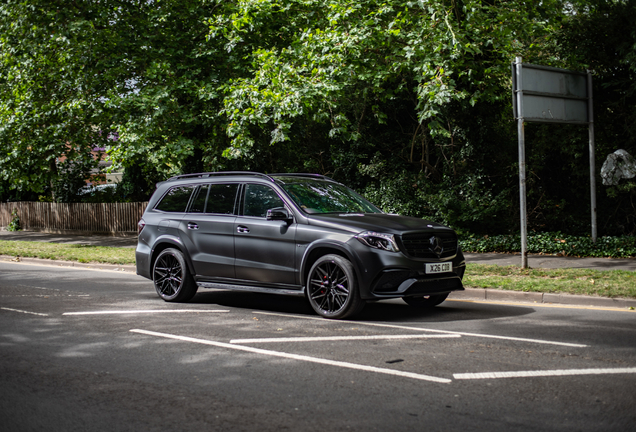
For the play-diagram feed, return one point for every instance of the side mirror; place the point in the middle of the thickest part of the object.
(279, 214)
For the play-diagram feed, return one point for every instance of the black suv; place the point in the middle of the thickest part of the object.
(293, 234)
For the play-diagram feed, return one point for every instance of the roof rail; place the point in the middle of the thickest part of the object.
(320, 176)
(221, 173)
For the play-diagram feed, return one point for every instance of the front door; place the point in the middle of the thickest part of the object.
(264, 250)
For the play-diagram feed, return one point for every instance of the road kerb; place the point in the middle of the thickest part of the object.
(580, 300)
(61, 263)
(501, 295)
(481, 294)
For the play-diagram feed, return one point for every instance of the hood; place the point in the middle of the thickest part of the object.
(378, 222)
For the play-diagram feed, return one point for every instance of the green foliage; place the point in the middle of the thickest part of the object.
(14, 225)
(601, 36)
(72, 175)
(139, 180)
(168, 112)
(50, 98)
(555, 243)
(407, 101)
(409, 98)
(341, 63)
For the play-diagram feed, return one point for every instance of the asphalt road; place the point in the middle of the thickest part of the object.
(98, 350)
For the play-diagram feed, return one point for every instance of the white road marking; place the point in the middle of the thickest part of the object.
(297, 357)
(340, 338)
(546, 373)
(24, 312)
(419, 329)
(148, 311)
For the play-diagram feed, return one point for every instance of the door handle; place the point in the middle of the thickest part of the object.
(192, 226)
(242, 229)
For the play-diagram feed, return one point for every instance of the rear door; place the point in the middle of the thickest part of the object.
(209, 230)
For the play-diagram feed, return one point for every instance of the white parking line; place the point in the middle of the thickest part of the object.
(148, 311)
(340, 338)
(297, 357)
(419, 329)
(547, 373)
(24, 312)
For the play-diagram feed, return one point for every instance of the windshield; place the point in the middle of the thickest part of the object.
(315, 196)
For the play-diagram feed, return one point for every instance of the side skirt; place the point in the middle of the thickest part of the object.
(233, 287)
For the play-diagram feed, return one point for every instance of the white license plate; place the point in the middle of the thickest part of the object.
(438, 268)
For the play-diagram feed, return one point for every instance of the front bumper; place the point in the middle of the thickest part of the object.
(400, 283)
(384, 274)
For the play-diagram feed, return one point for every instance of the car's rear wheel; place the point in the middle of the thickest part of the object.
(172, 280)
(332, 289)
(425, 301)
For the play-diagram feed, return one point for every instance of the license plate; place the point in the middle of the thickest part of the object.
(438, 268)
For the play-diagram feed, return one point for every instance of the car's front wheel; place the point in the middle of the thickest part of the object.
(172, 280)
(425, 301)
(332, 289)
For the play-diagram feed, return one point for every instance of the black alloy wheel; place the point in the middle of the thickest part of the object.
(425, 301)
(172, 280)
(332, 289)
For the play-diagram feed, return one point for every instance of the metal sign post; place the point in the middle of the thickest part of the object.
(590, 120)
(550, 95)
(522, 162)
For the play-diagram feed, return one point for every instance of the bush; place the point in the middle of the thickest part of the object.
(555, 243)
(14, 225)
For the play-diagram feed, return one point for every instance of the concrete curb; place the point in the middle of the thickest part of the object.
(537, 297)
(60, 263)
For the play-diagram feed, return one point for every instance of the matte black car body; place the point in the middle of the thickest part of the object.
(280, 251)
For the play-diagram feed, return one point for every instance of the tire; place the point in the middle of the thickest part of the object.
(172, 280)
(425, 301)
(332, 289)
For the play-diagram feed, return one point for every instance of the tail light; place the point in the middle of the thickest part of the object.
(140, 225)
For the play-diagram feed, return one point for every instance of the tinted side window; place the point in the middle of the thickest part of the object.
(221, 198)
(176, 199)
(259, 199)
(198, 203)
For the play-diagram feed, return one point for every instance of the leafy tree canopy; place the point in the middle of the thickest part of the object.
(408, 101)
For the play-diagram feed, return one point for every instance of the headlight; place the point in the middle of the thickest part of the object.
(379, 241)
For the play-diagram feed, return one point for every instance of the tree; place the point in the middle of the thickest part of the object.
(50, 91)
(391, 90)
(407, 101)
(599, 35)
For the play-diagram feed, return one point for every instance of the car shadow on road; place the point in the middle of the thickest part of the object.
(396, 310)
(382, 311)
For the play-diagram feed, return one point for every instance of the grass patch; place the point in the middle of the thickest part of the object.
(607, 283)
(68, 252)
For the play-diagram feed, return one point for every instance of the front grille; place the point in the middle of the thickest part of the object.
(418, 245)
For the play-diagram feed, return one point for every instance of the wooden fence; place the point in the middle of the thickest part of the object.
(106, 218)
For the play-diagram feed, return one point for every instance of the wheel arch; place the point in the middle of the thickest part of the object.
(315, 251)
(164, 243)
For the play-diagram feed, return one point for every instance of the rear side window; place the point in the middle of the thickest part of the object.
(198, 202)
(221, 198)
(176, 200)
